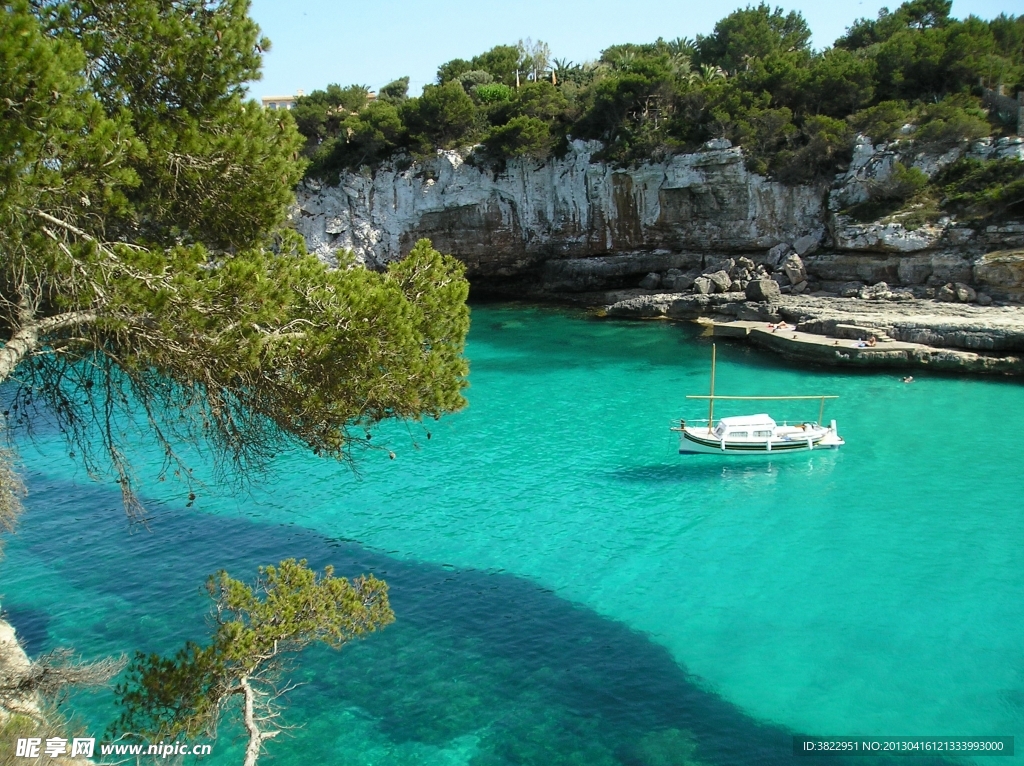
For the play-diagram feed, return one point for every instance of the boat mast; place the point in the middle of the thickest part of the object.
(711, 399)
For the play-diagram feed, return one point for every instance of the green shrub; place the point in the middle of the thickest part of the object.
(828, 142)
(763, 134)
(520, 136)
(952, 120)
(883, 121)
(755, 80)
(979, 190)
(442, 117)
(902, 184)
(395, 92)
(474, 77)
(492, 93)
(364, 138)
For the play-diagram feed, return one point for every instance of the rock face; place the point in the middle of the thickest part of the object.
(501, 224)
(871, 169)
(1002, 270)
(883, 237)
(693, 222)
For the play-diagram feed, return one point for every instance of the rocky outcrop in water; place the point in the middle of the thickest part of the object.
(827, 330)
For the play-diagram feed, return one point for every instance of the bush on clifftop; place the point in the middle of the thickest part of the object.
(914, 72)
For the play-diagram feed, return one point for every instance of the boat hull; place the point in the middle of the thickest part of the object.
(693, 442)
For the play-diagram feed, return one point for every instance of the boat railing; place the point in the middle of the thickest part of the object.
(713, 398)
(682, 422)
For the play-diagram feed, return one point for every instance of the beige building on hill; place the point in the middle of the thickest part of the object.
(280, 102)
(287, 102)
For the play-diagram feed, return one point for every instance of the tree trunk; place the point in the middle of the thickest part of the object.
(256, 737)
(27, 338)
(252, 748)
(21, 343)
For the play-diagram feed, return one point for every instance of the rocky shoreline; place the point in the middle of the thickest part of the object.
(832, 330)
(699, 236)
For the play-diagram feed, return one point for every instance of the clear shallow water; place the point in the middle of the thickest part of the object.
(570, 590)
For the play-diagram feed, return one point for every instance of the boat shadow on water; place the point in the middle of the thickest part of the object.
(530, 677)
(707, 468)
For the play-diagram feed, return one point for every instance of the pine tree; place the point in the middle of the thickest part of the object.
(257, 629)
(146, 281)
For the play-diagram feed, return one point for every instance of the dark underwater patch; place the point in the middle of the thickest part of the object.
(538, 679)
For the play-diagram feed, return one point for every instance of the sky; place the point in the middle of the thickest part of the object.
(372, 42)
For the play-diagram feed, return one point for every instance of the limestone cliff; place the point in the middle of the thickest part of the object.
(508, 223)
(572, 224)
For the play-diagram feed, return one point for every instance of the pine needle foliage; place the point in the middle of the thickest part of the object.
(257, 628)
(148, 285)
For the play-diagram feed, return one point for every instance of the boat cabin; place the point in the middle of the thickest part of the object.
(745, 427)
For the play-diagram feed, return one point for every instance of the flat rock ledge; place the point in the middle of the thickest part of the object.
(832, 331)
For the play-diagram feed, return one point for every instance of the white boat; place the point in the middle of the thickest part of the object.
(754, 434)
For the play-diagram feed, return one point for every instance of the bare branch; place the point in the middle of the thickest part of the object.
(25, 684)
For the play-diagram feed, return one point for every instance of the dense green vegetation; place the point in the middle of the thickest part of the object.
(754, 80)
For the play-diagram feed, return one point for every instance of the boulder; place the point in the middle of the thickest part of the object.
(721, 281)
(946, 293)
(703, 286)
(651, 281)
(876, 292)
(965, 293)
(757, 312)
(676, 282)
(728, 265)
(744, 263)
(764, 290)
(984, 299)
(793, 266)
(850, 289)
(807, 244)
(799, 287)
(777, 253)
(682, 282)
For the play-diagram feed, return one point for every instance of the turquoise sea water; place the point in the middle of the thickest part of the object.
(568, 589)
